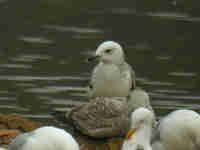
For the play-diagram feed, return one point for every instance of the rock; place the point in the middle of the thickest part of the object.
(102, 117)
(100, 144)
(14, 121)
(6, 135)
(115, 143)
(12, 125)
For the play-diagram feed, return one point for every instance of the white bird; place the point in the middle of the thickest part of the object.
(44, 138)
(139, 98)
(112, 77)
(180, 130)
(140, 132)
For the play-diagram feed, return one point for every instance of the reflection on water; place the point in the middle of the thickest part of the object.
(43, 54)
(35, 40)
(72, 29)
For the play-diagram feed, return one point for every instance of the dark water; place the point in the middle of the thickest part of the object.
(44, 45)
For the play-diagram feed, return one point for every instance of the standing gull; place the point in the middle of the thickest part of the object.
(112, 77)
(177, 131)
(44, 138)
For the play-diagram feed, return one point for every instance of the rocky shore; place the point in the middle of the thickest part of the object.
(12, 125)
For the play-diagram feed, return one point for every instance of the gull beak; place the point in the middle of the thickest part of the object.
(93, 58)
(131, 131)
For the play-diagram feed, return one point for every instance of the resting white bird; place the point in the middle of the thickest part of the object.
(140, 132)
(112, 77)
(44, 138)
(180, 130)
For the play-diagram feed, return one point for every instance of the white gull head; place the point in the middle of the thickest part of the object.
(140, 132)
(110, 52)
(142, 117)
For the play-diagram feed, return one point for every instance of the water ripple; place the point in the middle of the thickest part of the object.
(158, 83)
(171, 91)
(23, 66)
(30, 39)
(55, 89)
(67, 102)
(184, 74)
(72, 29)
(30, 58)
(174, 16)
(32, 78)
(174, 97)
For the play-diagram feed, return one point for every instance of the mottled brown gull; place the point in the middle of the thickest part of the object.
(108, 116)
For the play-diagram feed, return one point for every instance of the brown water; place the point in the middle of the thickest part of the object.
(44, 45)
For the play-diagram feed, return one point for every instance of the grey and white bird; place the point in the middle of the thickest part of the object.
(180, 130)
(113, 76)
(44, 138)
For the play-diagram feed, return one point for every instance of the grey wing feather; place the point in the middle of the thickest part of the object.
(133, 77)
(124, 67)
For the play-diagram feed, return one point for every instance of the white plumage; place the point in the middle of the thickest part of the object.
(112, 77)
(142, 121)
(44, 138)
(180, 130)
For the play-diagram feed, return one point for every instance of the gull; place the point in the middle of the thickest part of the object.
(108, 116)
(177, 131)
(180, 130)
(140, 132)
(112, 76)
(44, 138)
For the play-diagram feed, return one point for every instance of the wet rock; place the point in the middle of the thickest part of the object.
(15, 121)
(12, 125)
(6, 135)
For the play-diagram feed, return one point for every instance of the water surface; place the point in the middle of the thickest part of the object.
(44, 45)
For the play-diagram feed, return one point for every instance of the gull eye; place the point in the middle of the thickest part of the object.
(108, 50)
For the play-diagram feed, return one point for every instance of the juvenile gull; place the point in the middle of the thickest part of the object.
(44, 138)
(177, 131)
(108, 116)
(112, 77)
